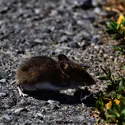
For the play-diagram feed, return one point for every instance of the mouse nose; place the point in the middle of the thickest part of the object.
(89, 80)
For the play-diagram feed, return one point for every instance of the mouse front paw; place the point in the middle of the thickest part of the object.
(21, 93)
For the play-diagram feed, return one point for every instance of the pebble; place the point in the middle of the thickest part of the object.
(3, 94)
(51, 102)
(96, 47)
(63, 39)
(84, 3)
(23, 102)
(95, 39)
(98, 2)
(2, 80)
(38, 41)
(97, 10)
(6, 117)
(39, 116)
(74, 45)
(37, 10)
(18, 110)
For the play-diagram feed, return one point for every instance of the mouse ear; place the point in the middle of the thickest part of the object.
(62, 57)
(65, 67)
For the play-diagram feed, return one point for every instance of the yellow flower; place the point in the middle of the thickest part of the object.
(116, 101)
(121, 18)
(109, 104)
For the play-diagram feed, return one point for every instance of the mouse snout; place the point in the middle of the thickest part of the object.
(90, 81)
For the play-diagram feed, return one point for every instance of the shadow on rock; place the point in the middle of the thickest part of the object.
(86, 97)
(80, 96)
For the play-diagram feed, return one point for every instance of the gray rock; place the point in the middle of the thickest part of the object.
(74, 45)
(64, 39)
(85, 3)
(51, 102)
(98, 10)
(3, 94)
(18, 110)
(39, 116)
(97, 2)
(37, 41)
(6, 117)
(95, 39)
(2, 80)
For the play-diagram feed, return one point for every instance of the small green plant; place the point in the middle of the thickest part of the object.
(117, 31)
(111, 102)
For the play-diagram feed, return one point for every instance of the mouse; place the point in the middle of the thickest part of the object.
(44, 73)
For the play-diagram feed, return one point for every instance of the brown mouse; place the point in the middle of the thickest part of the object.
(44, 73)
